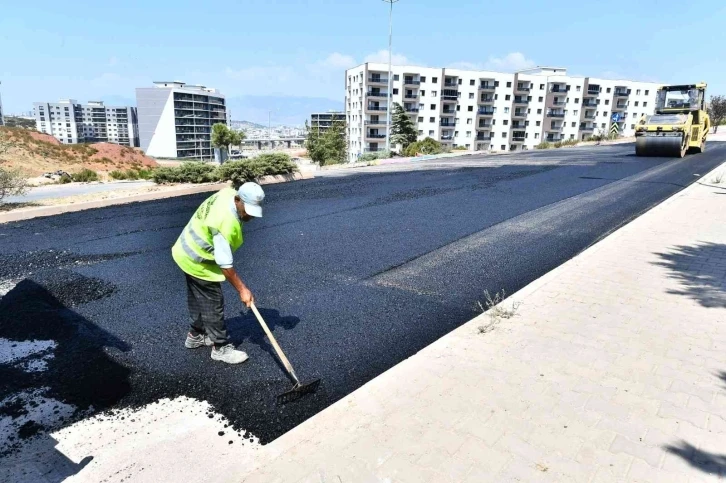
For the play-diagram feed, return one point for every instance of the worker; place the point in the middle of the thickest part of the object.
(203, 251)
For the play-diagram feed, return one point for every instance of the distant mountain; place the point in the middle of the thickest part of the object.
(286, 110)
(247, 125)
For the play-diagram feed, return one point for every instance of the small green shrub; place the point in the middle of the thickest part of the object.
(569, 142)
(543, 145)
(118, 175)
(85, 175)
(375, 155)
(244, 170)
(65, 179)
(557, 144)
(425, 146)
(189, 172)
(145, 173)
(460, 148)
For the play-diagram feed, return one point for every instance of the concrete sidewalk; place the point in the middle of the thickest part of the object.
(613, 369)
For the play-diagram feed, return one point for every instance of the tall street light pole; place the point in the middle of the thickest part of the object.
(390, 75)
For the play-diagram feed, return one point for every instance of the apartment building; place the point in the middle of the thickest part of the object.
(176, 119)
(71, 122)
(2, 119)
(490, 111)
(323, 120)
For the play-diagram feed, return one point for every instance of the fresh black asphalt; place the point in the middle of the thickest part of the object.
(354, 273)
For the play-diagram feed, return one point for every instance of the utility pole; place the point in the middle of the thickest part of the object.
(390, 74)
(269, 127)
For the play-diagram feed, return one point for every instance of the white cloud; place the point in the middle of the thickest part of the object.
(509, 63)
(382, 57)
(338, 60)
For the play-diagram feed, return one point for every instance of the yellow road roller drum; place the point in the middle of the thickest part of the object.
(680, 123)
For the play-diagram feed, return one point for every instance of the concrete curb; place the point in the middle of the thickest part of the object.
(183, 190)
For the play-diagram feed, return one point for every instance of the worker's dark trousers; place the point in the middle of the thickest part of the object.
(206, 309)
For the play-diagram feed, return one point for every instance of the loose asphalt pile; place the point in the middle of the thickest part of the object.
(353, 274)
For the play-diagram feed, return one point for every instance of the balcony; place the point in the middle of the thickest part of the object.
(481, 127)
(484, 137)
(519, 114)
(375, 123)
(486, 87)
(589, 116)
(589, 104)
(378, 95)
(555, 114)
(448, 113)
(411, 96)
(554, 139)
(486, 100)
(413, 110)
(377, 108)
(620, 107)
(371, 135)
(521, 100)
(558, 89)
(592, 92)
(587, 128)
(377, 80)
(451, 85)
(485, 112)
(411, 82)
(447, 137)
(518, 126)
(443, 123)
(558, 103)
(518, 139)
(522, 88)
(450, 96)
(621, 93)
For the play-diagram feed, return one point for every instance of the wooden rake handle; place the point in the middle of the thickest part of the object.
(275, 345)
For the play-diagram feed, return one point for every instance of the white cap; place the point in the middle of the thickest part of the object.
(252, 195)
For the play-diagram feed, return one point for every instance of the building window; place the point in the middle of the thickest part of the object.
(567, 87)
(608, 91)
(506, 110)
(471, 82)
(421, 107)
(420, 132)
(470, 108)
(458, 108)
(431, 133)
(423, 79)
(468, 121)
(496, 83)
(637, 92)
(540, 99)
(395, 90)
(432, 119)
(434, 93)
(645, 104)
(504, 147)
(539, 123)
(604, 113)
(435, 80)
(602, 125)
(395, 77)
(636, 103)
(607, 102)
(646, 92)
(507, 97)
(578, 88)
(577, 100)
(505, 122)
(456, 134)
(494, 121)
(468, 134)
(423, 93)
(575, 112)
(632, 126)
(536, 135)
(433, 107)
(574, 124)
(509, 84)
(459, 81)
(635, 115)
(420, 119)
(471, 95)
(504, 134)
(539, 111)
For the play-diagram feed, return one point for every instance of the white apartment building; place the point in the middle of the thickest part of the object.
(71, 122)
(175, 119)
(490, 111)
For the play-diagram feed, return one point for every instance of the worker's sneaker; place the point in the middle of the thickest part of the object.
(229, 354)
(193, 342)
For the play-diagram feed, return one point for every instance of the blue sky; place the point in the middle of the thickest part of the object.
(92, 50)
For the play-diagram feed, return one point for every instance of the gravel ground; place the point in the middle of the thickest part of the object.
(354, 272)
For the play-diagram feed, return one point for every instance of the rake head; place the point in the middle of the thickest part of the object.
(299, 390)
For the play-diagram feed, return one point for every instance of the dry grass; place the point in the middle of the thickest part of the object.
(497, 311)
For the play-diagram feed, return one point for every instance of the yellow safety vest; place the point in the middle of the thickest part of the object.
(194, 249)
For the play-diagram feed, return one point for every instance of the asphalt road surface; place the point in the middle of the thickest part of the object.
(61, 191)
(354, 271)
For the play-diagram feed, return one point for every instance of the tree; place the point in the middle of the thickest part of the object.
(327, 146)
(717, 111)
(403, 130)
(224, 137)
(425, 146)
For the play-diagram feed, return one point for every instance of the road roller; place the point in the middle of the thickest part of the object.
(680, 123)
